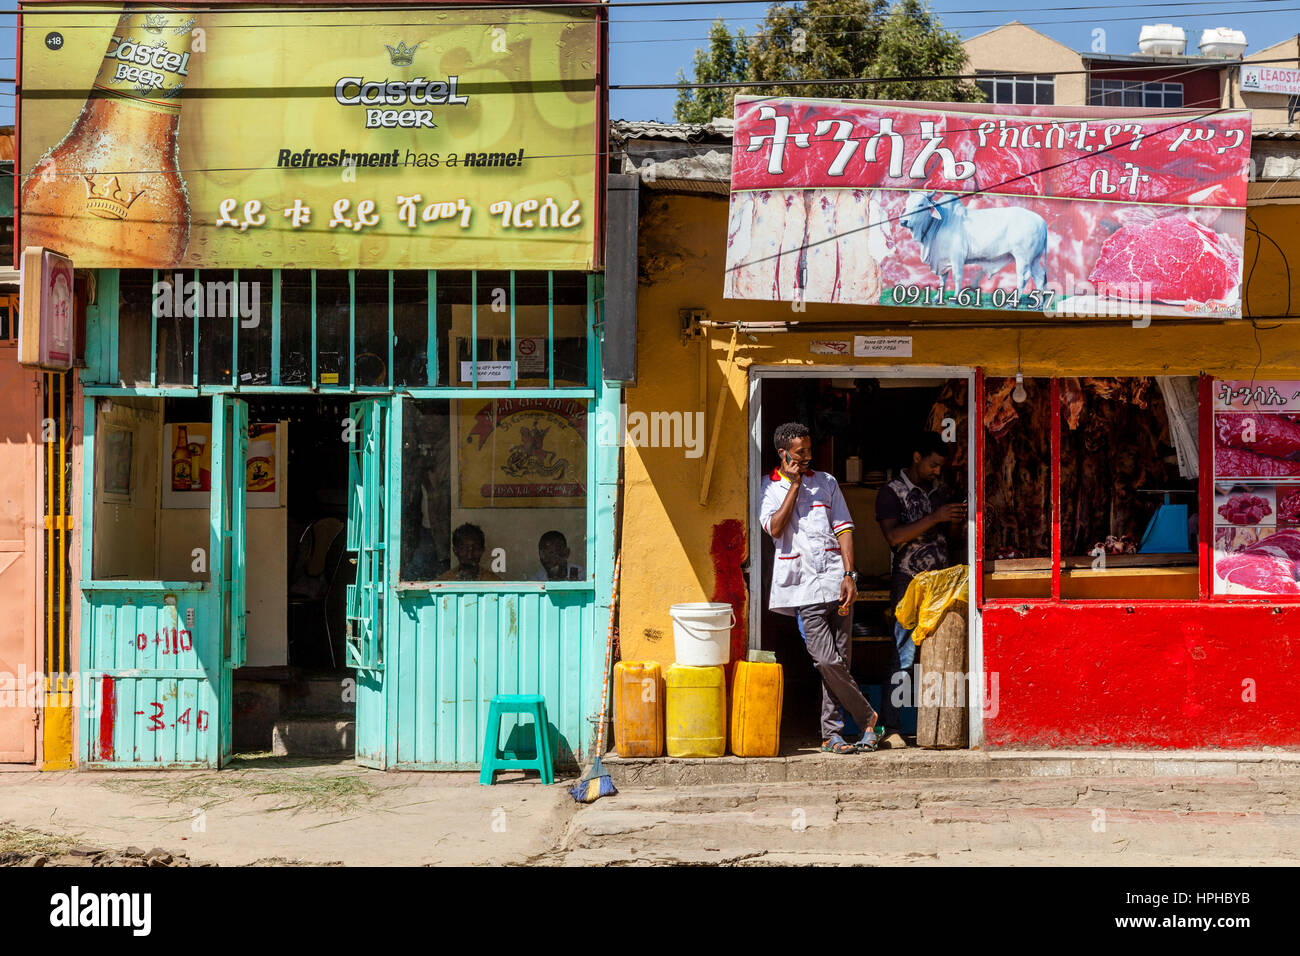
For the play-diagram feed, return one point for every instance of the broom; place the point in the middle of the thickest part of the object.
(596, 783)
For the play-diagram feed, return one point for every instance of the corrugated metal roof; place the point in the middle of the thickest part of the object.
(702, 164)
(683, 132)
(1277, 189)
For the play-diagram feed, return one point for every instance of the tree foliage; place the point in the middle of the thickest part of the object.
(831, 39)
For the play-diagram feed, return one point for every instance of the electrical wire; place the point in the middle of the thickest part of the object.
(607, 153)
(973, 192)
(65, 10)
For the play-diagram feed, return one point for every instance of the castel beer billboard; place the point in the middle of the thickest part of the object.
(152, 136)
(1078, 210)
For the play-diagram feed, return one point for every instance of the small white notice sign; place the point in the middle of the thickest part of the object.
(874, 345)
(487, 371)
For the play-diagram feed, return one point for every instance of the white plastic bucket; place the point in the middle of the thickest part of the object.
(702, 633)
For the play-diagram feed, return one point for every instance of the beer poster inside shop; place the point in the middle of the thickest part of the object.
(187, 464)
(521, 453)
(154, 137)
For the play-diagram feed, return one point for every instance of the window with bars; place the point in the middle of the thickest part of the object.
(1135, 93)
(365, 330)
(1017, 88)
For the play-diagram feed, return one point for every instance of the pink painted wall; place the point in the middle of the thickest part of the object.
(20, 522)
(1170, 675)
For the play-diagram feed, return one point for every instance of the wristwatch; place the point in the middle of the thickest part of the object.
(853, 575)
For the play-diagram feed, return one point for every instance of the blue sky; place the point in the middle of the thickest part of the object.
(650, 44)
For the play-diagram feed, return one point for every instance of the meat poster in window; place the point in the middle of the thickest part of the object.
(1109, 212)
(1257, 523)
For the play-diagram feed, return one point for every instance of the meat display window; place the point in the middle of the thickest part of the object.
(1017, 542)
(1256, 488)
(1104, 499)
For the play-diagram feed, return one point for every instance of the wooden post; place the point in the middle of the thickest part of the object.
(717, 419)
(942, 691)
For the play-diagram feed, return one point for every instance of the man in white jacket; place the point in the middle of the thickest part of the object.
(814, 581)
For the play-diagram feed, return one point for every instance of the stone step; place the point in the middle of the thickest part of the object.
(896, 765)
(1242, 821)
(314, 735)
(319, 695)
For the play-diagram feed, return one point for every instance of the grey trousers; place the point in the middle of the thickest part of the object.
(829, 639)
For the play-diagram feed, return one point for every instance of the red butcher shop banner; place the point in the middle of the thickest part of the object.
(1257, 487)
(1105, 211)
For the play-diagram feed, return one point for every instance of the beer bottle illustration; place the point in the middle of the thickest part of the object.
(182, 462)
(112, 187)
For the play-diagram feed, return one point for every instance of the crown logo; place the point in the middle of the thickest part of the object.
(108, 200)
(401, 55)
(154, 22)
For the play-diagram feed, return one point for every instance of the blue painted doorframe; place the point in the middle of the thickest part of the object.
(159, 655)
(449, 647)
(444, 648)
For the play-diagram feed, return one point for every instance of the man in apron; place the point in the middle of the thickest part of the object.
(813, 579)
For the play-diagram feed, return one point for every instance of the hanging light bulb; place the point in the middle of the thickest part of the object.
(1018, 394)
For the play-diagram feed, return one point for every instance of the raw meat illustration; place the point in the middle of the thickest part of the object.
(1237, 463)
(1272, 434)
(862, 245)
(822, 245)
(1245, 509)
(1179, 257)
(1288, 508)
(794, 233)
(1269, 565)
(1234, 539)
(1259, 572)
(1282, 544)
(823, 257)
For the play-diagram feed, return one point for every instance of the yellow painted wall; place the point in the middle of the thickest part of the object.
(667, 534)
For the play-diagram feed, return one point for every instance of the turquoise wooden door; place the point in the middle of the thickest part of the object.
(158, 655)
(229, 543)
(367, 534)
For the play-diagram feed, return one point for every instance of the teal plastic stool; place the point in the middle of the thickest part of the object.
(494, 760)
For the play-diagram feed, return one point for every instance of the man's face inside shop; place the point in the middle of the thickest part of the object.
(554, 556)
(929, 467)
(469, 550)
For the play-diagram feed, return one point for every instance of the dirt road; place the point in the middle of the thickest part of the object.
(281, 811)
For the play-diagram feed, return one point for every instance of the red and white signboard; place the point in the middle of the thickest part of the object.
(1103, 211)
(45, 338)
(1256, 487)
(1270, 79)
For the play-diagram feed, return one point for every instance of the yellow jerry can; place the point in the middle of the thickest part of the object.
(638, 709)
(756, 696)
(696, 723)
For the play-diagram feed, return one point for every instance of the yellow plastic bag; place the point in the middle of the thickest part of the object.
(928, 596)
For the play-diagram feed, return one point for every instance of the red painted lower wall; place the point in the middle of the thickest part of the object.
(1142, 675)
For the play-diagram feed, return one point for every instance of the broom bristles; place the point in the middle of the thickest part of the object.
(594, 785)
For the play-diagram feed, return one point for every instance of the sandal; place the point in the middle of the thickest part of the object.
(868, 744)
(838, 745)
